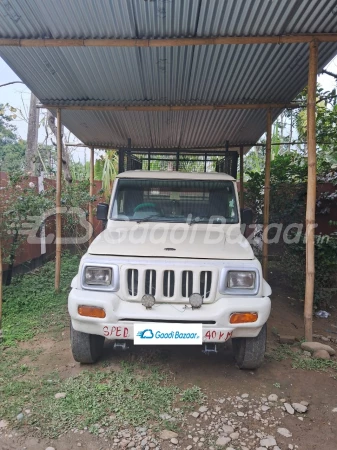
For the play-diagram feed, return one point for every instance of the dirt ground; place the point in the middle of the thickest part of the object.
(218, 377)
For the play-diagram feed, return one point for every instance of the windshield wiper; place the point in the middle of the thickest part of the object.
(145, 219)
(198, 219)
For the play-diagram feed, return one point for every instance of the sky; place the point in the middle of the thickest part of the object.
(18, 96)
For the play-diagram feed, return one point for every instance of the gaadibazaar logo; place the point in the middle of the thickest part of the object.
(167, 333)
(148, 334)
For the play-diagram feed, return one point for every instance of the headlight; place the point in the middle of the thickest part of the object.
(96, 277)
(241, 280)
(100, 276)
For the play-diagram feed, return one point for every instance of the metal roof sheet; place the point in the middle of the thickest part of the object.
(209, 74)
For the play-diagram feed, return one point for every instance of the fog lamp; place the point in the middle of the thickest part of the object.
(195, 300)
(148, 301)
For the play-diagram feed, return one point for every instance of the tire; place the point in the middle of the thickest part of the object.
(86, 348)
(249, 352)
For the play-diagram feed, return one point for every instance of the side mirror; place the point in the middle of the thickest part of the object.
(102, 211)
(247, 216)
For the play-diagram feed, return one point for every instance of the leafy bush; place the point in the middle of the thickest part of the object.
(294, 264)
(287, 190)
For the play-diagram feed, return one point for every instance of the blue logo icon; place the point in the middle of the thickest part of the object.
(146, 334)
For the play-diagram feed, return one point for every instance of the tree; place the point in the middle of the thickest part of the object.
(32, 135)
(12, 148)
(65, 154)
(106, 169)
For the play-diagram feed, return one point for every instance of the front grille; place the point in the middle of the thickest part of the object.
(174, 285)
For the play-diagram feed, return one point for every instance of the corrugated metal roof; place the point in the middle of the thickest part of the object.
(211, 74)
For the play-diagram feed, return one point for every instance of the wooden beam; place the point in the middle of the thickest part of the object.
(266, 197)
(172, 42)
(241, 178)
(58, 202)
(91, 191)
(311, 192)
(160, 108)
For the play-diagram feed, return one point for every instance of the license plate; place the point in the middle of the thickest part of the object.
(167, 334)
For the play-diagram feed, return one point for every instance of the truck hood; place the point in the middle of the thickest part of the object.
(154, 240)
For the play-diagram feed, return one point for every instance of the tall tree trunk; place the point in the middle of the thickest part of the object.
(32, 136)
(65, 154)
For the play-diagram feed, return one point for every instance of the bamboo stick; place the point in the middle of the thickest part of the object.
(311, 192)
(58, 202)
(172, 42)
(91, 192)
(266, 197)
(1, 294)
(173, 107)
(241, 178)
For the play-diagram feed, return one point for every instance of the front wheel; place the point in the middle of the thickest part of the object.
(86, 348)
(249, 352)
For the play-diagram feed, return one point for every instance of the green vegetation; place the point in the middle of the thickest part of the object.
(132, 396)
(31, 305)
(283, 352)
(193, 394)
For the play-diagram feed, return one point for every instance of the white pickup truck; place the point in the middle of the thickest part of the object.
(171, 267)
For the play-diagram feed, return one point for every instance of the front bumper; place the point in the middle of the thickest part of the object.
(121, 315)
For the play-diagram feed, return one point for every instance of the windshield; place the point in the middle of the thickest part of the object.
(179, 201)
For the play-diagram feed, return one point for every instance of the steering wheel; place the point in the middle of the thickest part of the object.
(145, 207)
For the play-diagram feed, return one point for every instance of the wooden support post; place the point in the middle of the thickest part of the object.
(1, 294)
(241, 179)
(266, 197)
(311, 192)
(58, 201)
(91, 191)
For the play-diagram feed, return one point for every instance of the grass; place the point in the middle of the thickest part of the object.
(283, 352)
(31, 305)
(133, 396)
(94, 399)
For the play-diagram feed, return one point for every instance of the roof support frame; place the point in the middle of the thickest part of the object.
(160, 108)
(172, 42)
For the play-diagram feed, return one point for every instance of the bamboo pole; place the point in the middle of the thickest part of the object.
(161, 108)
(266, 197)
(241, 178)
(58, 202)
(1, 294)
(311, 192)
(172, 42)
(91, 192)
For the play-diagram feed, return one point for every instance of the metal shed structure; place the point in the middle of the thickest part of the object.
(173, 74)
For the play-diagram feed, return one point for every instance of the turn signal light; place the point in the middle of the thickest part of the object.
(91, 311)
(243, 317)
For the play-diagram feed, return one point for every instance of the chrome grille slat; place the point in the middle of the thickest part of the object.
(150, 282)
(132, 282)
